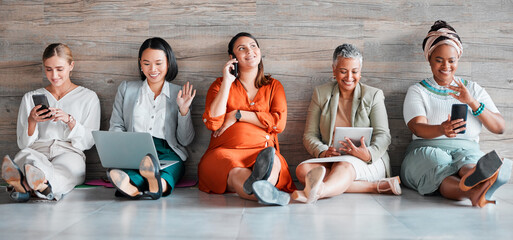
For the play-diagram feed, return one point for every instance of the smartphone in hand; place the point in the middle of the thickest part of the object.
(459, 111)
(40, 99)
(235, 71)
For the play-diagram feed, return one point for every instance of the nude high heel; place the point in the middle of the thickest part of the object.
(314, 184)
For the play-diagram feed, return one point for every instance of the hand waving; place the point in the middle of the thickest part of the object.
(184, 98)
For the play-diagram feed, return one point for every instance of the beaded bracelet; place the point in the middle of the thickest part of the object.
(479, 110)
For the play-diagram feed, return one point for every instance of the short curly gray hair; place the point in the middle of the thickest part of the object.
(347, 51)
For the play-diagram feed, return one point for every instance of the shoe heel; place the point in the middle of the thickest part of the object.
(149, 169)
(485, 168)
(299, 196)
(503, 178)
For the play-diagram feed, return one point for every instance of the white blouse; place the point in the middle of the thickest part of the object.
(82, 103)
(150, 112)
(431, 100)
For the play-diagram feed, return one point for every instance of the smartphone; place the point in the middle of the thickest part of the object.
(459, 111)
(40, 99)
(235, 71)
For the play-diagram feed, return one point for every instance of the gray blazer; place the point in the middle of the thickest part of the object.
(179, 131)
(368, 110)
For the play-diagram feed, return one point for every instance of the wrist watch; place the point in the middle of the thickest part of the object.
(70, 119)
(238, 115)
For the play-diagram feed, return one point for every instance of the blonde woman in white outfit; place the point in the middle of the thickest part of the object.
(51, 161)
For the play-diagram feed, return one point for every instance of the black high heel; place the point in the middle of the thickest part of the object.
(149, 169)
(12, 174)
(261, 169)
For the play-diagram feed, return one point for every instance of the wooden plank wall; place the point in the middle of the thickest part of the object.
(297, 40)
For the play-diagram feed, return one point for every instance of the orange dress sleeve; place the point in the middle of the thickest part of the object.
(212, 123)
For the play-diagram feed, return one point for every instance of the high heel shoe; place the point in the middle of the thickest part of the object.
(393, 185)
(485, 168)
(503, 177)
(261, 169)
(149, 169)
(299, 196)
(268, 194)
(314, 184)
(12, 174)
(482, 201)
(37, 181)
(121, 181)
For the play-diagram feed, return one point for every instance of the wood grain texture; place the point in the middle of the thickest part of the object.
(297, 39)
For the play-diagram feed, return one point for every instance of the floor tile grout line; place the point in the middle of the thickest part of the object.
(85, 216)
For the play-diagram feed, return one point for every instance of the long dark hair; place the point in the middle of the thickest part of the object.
(261, 78)
(160, 44)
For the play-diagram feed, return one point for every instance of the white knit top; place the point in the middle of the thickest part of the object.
(427, 98)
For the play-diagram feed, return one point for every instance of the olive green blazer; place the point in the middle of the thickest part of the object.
(368, 110)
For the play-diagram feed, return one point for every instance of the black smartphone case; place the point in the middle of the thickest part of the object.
(40, 99)
(459, 111)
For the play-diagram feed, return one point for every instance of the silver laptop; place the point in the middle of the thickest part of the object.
(125, 150)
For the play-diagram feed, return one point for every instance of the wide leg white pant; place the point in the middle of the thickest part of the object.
(63, 165)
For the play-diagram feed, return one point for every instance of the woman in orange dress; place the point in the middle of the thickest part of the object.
(245, 110)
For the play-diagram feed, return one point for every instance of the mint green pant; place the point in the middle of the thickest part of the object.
(171, 174)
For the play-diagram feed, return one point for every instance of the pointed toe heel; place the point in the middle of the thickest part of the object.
(268, 194)
(261, 169)
(12, 174)
(149, 169)
(503, 177)
(36, 180)
(485, 168)
(121, 181)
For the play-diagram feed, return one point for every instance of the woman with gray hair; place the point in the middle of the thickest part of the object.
(345, 103)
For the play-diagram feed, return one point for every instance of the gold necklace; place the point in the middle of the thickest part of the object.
(63, 94)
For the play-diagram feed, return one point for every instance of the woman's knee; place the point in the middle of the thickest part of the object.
(301, 171)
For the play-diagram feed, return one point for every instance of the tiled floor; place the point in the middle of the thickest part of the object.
(94, 213)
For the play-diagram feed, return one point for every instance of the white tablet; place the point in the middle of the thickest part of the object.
(353, 133)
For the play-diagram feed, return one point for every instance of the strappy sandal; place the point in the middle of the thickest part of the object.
(37, 181)
(12, 174)
(393, 185)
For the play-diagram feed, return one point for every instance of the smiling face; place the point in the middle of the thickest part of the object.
(347, 71)
(154, 65)
(444, 62)
(57, 70)
(247, 52)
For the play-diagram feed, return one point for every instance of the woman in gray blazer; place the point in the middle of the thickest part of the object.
(345, 103)
(156, 106)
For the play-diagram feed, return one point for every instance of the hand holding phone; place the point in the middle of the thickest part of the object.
(235, 70)
(459, 111)
(40, 99)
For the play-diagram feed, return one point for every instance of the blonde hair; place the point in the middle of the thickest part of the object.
(60, 50)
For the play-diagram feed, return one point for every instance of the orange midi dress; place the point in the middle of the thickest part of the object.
(240, 144)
